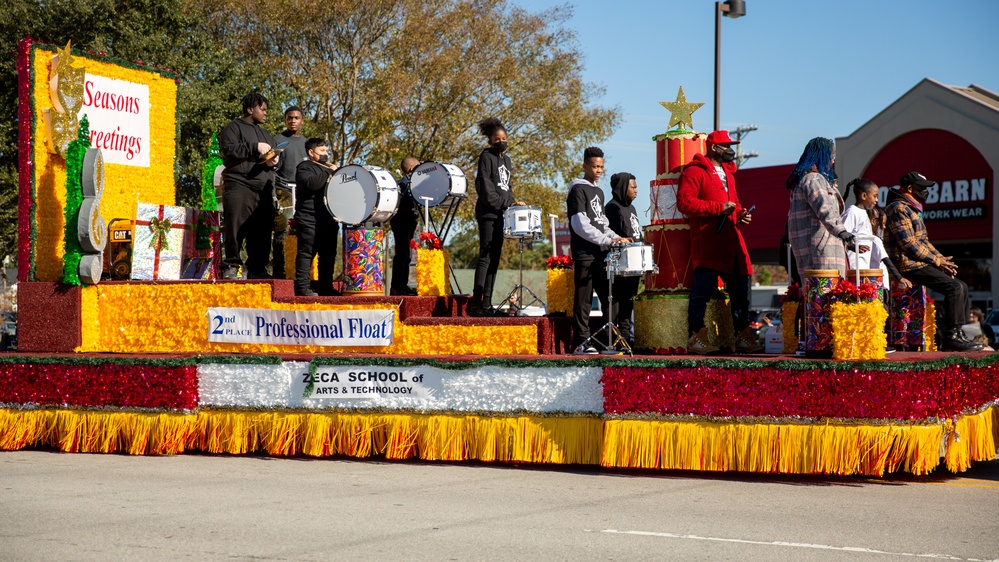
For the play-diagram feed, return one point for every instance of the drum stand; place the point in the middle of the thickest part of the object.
(616, 344)
(449, 215)
(516, 296)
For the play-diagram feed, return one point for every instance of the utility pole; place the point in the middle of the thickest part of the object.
(740, 132)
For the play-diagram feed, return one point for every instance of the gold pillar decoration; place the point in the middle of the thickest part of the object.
(66, 79)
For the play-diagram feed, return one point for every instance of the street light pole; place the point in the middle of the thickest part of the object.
(731, 9)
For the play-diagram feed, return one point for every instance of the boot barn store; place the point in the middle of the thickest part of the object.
(948, 133)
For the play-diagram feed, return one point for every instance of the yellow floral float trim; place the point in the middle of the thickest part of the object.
(436, 437)
(789, 329)
(858, 330)
(172, 318)
(432, 273)
(930, 326)
(561, 287)
(821, 448)
(124, 185)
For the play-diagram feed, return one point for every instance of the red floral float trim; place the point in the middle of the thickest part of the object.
(776, 392)
(108, 384)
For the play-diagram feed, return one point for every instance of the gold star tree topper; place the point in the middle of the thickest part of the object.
(681, 111)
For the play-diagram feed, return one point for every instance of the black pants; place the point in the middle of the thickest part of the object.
(624, 289)
(248, 216)
(590, 275)
(277, 252)
(955, 292)
(490, 250)
(318, 234)
(403, 228)
(705, 283)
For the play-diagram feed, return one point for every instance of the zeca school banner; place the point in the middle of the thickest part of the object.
(339, 328)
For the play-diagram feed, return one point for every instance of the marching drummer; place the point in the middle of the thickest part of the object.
(623, 220)
(492, 185)
(403, 225)
(590, 237)
(318, 232)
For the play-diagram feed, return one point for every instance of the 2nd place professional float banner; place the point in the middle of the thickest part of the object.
(337, 328)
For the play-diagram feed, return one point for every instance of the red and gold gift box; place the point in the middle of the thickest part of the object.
(676, 150)
(671, 253)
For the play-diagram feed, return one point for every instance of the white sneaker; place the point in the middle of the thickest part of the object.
(585, 349)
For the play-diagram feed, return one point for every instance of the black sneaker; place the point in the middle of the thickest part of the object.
(404, 292)
(585, 349)
(305, 293)
(479, 312)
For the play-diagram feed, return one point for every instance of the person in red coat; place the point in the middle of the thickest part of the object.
(707, 195)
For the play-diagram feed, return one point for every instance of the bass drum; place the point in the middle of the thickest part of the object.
(359, 194)
(442, 183)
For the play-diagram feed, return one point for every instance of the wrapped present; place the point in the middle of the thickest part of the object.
(158, 247)
(202, 245)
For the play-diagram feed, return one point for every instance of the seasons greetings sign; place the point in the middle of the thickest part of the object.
(118, 112)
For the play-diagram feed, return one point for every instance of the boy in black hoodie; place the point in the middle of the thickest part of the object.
(624, 222)
(589, 239)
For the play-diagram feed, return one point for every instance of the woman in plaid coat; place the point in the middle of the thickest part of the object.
(815, 227)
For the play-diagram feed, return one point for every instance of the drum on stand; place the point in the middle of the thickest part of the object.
(818, 283)
(632, 260)
(872, 276)
(359, 194)
(363, 198)
(444, 184)
(522, 222)
(363, 273)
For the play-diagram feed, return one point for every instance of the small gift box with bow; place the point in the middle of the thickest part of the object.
(158, 247)
(202, 245)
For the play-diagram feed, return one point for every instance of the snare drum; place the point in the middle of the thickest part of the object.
(359, 194)
(522, 222)
(634, 259)
(442, 183)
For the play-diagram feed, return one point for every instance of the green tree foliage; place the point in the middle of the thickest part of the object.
(381, 80)
(168, 34)
(384, 80)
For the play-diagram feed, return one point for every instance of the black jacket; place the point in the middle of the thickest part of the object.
(238, 145)
(620, 212)
(492, 184)
(310, 188)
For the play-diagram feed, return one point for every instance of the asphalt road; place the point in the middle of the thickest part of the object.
(111, 507)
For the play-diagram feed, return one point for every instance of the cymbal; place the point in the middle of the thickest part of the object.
(273, 153)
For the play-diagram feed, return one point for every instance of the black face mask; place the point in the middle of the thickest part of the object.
(500, 146)
(920, 193)
(324, 159)
(726, 154)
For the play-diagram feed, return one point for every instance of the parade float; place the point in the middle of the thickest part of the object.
(182, 361)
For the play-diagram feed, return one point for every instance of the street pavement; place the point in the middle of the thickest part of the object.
(57, 506)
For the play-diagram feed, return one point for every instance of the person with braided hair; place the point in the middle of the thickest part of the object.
(494, 192)
(815, 229)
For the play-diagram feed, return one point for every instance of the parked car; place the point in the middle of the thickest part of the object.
(759, 318)
(992, 319)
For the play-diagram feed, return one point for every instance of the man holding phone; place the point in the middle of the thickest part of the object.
(707, 195)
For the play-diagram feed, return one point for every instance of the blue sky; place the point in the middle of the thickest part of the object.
(795, 69)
